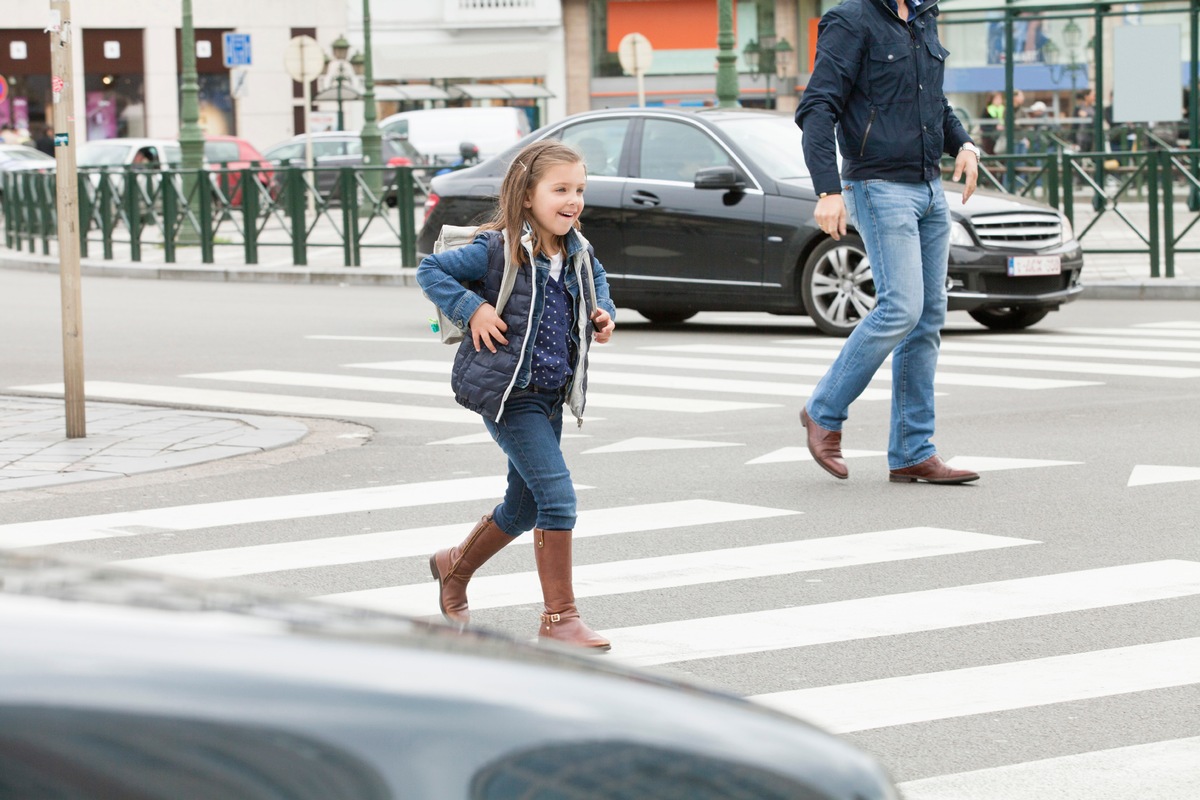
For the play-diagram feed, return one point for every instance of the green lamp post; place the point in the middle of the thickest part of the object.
(372, 139)
(191, 137)
(727, 80)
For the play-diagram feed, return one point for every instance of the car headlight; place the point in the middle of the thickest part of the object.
(960, 236)
(1068, 233)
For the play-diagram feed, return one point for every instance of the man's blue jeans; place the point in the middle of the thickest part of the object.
(906, 230)
(540, 493)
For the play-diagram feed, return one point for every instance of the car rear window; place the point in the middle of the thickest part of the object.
(221, 151)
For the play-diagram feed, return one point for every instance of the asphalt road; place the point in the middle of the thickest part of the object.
(1047, 613)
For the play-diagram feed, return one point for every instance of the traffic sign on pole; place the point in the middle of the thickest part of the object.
(236, 49)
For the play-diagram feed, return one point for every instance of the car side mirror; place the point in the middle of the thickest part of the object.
(718, 178)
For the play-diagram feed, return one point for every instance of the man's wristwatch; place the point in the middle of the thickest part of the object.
(823, 195)
(970, 147)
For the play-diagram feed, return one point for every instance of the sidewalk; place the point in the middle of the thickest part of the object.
(126, 439)
(123, 440)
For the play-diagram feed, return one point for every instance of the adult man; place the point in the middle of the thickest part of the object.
(878, 79)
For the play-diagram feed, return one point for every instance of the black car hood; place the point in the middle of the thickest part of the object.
(984, 201)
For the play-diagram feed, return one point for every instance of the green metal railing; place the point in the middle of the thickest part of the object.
(253, 208)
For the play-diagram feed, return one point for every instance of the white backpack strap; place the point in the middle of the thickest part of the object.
(510, 276)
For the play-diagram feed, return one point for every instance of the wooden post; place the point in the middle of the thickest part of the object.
(62, 69)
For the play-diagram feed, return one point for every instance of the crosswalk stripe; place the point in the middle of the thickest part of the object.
(1174, 329)
(691, 569)
(254, 401)
(442, 389)
(1042, 365)
(889, 615)
(1073, 352)
(993, 688)
(1167, 770)
(256, 509)
(358, 548)
(1114, 341)
(765, 367)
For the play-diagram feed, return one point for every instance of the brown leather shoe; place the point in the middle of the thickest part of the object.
(825, 447)
(932, 470)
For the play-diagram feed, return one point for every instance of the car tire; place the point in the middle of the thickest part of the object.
(666, 316)
(836, 285)
(1009, 318)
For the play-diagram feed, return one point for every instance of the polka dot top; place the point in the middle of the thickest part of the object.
(552, 348)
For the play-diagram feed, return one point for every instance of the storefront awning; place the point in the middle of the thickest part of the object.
(384, 93)
(409, 91)
(500, 91)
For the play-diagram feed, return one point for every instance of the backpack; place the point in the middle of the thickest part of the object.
(450, 237)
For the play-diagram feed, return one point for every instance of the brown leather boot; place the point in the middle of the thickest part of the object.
(560, 621)
(453, 567)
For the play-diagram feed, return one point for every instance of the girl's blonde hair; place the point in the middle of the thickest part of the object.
(524, 173)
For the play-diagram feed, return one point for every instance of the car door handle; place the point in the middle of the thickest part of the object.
(645, 198)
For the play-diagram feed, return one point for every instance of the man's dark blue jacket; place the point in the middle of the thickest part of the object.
(879, 80)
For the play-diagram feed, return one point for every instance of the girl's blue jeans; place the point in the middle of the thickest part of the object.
(540, 493)
(906, 230)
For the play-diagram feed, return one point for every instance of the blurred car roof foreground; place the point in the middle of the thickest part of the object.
(119, 684)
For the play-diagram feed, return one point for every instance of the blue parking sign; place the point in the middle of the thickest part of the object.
(236, 47)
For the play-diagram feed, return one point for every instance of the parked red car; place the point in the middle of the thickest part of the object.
(229, 155)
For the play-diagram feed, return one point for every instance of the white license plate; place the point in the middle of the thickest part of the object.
(1019, 266)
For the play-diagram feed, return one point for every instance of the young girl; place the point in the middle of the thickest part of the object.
(519, 368)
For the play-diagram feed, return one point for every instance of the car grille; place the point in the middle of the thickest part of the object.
(1026, 286)
(1024, 230)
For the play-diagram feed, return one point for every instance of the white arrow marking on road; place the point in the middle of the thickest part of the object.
(255, 509)
(1144, 475)
(693, 569)
(892, 615)
(1159, 770)
(998, 687)
(362, 547)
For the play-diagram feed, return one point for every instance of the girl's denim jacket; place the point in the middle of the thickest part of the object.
(482, 380)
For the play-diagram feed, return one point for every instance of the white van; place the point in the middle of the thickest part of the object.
(438, 132)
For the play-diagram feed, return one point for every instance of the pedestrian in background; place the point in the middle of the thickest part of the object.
(877, 87)
(520, 368)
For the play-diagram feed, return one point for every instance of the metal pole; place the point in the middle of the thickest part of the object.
(191, 137)
(341, 119)
(62, 80)
(727, 80)
(372, 139)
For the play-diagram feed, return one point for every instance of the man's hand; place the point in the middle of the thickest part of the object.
(830, 215)
(487, 327)
(966, 163)
(604, 326)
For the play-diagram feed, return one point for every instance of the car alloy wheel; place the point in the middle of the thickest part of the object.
(837, 286)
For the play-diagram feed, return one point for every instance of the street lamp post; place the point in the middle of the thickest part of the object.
(191, 137)
(1072, 37)
(339, 73)
(372, 139)
(727, 81)
(765, 57)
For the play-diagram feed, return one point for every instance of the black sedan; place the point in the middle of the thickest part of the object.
(711, 210)
(119, 685)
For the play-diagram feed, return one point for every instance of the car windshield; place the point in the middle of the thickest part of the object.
(221, 151)
(773, 143)
(99, 154)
